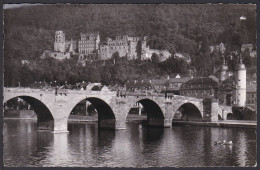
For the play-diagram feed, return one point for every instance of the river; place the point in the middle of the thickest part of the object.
(137, 146)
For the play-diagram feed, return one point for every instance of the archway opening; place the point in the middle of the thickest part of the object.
(137, 113)
(27, 107)
(94, 109)
(151, 112)
(188, 111)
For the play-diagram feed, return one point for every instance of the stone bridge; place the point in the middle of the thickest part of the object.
(53, 109)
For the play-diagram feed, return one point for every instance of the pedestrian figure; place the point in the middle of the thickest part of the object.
(56, 90)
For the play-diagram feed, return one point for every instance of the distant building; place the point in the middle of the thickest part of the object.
(147, 54)
(56, 55)
(169, 85)
(26, 62)
(217, 48)
(140, 86)
(232, 89)
(251, 96)
(227, 91)
(89, 46)
(88, 43)
(61, 45)
(124, 45)
(120, 45)
(247, 46)
(185, 56)
(202, 87)
(253, 54)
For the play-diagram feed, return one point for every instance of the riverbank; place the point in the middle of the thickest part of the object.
(142, 119)
(223, 123)
(94, 118)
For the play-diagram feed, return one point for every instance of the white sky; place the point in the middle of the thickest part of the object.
(8, 6)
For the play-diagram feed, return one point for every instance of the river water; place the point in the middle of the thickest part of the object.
(137, 146)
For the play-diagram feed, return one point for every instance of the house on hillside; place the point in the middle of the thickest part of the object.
(184, 56)
(247, 46)
(251, 96)
(217, 48)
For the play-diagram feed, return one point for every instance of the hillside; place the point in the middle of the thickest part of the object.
(177, 28)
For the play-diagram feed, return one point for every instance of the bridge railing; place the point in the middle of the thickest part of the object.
(127, 93)
(52, 90)
(25, 89)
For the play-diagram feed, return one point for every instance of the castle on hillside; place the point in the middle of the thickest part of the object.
(89, 47)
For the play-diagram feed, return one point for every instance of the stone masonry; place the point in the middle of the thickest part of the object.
(112, 109)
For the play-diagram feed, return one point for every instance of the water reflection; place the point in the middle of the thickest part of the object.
(138, 146)
(59, 154)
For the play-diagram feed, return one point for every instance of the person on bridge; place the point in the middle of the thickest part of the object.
(56, 90)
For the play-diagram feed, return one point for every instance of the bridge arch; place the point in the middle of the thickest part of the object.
(188, 111)
(45, 120)
(155, 115)
(106, 116)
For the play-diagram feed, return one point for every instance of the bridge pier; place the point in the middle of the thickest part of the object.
(47, 125)
(167, 123)
(120, 109)
(61, 125)
(120, 124)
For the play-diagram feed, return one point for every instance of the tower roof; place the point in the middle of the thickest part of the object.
(223, 67)
(240, 65)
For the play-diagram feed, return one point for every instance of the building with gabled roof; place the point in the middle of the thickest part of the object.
(247, 46)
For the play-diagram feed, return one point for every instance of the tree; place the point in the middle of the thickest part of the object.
(155, 58)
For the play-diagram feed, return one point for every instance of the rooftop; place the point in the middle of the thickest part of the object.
(251, 87)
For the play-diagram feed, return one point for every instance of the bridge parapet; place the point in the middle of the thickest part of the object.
(25, 90)
(144, 94)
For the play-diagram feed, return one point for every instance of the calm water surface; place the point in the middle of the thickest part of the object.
(137, 146)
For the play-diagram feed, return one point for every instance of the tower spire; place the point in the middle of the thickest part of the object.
(223, 60)
(240, 59)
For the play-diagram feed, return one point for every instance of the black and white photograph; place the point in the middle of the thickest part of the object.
(129, 85)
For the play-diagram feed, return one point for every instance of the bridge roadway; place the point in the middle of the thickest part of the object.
(53, 109)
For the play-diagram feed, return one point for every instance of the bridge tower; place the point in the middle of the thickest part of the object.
(241, 83)
(59, 44)
(223, 71)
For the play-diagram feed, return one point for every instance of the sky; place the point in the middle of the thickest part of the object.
(8, 6)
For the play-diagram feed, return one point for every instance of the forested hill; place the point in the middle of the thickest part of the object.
(177, 28)
(173, 27)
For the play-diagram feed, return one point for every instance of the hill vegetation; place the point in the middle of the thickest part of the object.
(177, 28)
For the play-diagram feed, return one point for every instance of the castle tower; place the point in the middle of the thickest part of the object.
(223, 71)
(71, 48)
(59, 44)
(97, 41)
(241, 83)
